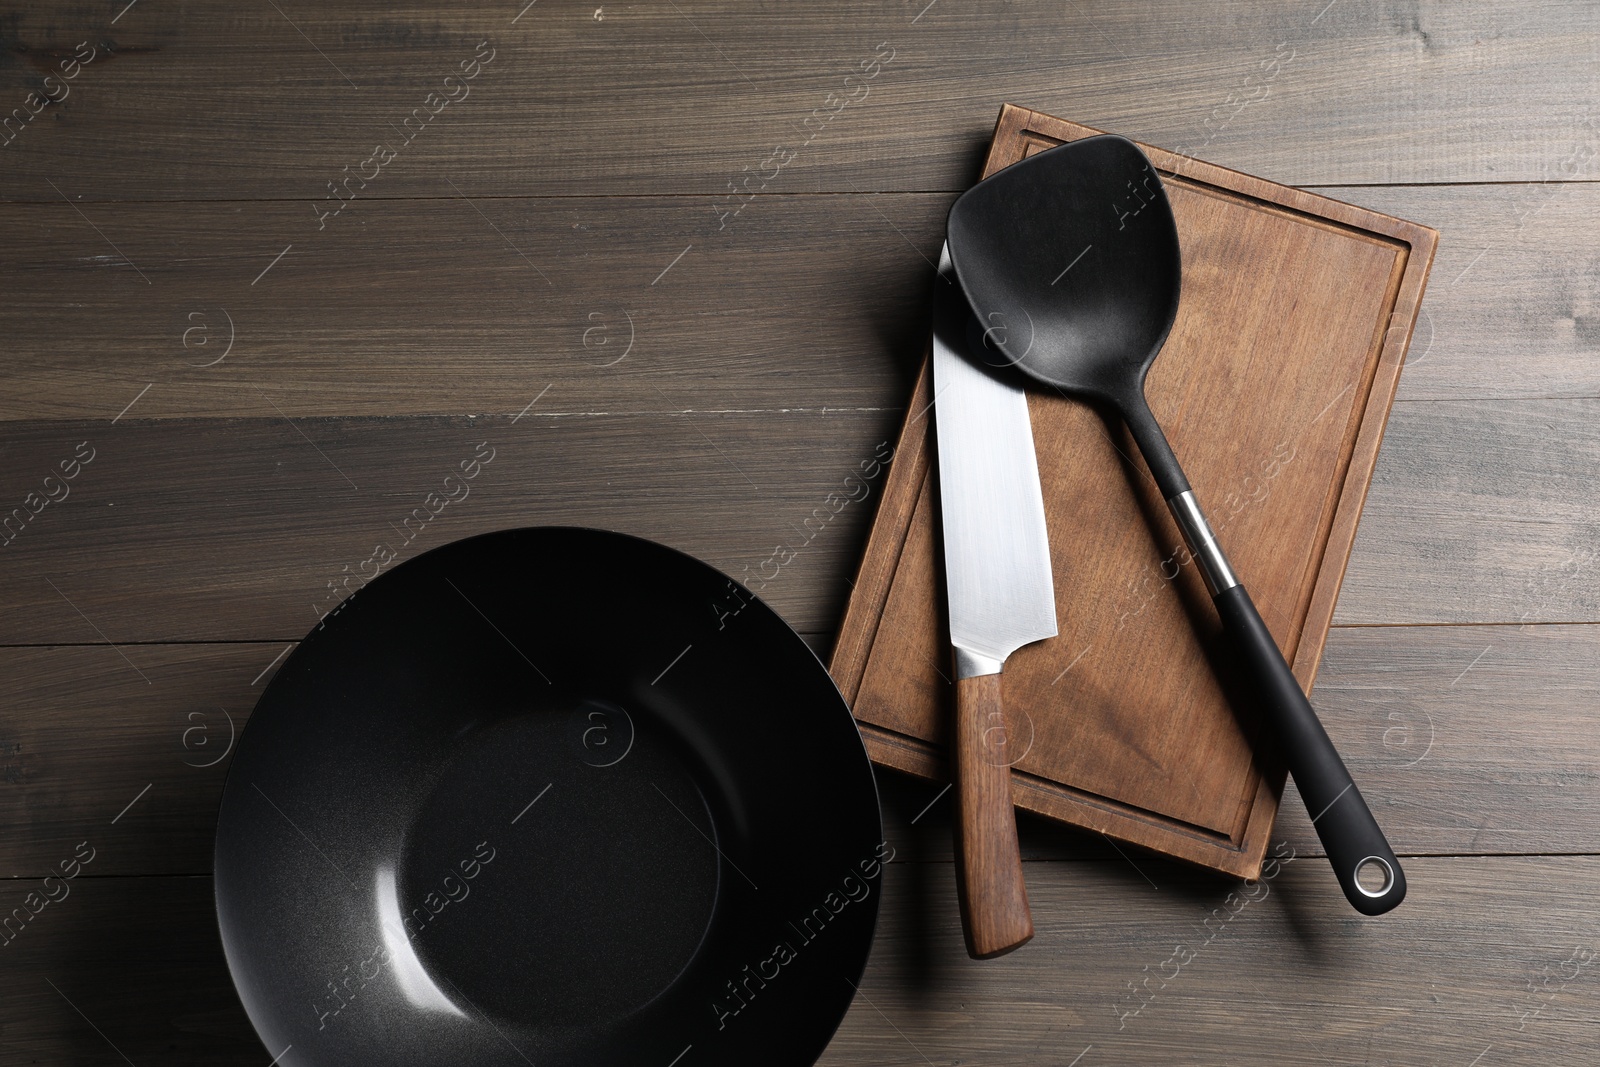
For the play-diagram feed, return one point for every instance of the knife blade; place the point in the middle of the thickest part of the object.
(1001, 595)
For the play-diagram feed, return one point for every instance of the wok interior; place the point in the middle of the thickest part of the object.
(517, 800)
(615, 854)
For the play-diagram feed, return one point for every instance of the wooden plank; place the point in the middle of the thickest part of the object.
(1415, 711)
(1480, 511)
(129, 759)
(1464, 739)
(137, 971)
(1512, 310)
(205, 530)
(1467, 739)
(618, 302)
(1291, 978)
(120, 970)
(650, 98)
(347, 325)
(869, 589)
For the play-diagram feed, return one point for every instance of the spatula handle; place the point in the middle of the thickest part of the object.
(1349, 833)
(994, 897)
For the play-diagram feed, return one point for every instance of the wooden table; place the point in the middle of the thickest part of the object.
(262, 292)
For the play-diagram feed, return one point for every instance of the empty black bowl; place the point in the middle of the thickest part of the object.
(550, 796)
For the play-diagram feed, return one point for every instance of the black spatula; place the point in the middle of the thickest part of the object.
(1070, 259)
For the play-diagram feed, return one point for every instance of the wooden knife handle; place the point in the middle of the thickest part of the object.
(994, 898)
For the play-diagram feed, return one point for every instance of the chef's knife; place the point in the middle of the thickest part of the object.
(997, 576)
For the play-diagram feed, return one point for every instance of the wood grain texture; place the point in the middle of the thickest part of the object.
(1465, 964)
(599, 144)
(231, 529)
(1273, 386)
(128, 758)
(1466, 740)
(1474, 739)
(1477, 739)
(133, 967)
(348, 326)
(622, 303)
(1481, 511)
(204, 530)
(121, 970)
(989, 878)
(213, 101)
(1513, 309)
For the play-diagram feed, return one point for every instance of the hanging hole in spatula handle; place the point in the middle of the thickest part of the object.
(1362, 860)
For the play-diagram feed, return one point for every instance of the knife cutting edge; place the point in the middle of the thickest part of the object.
(1001, 597)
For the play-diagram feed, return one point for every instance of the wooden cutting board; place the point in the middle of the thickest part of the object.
(1274, 387)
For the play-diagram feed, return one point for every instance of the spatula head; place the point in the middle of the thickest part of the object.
(1070, 261)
